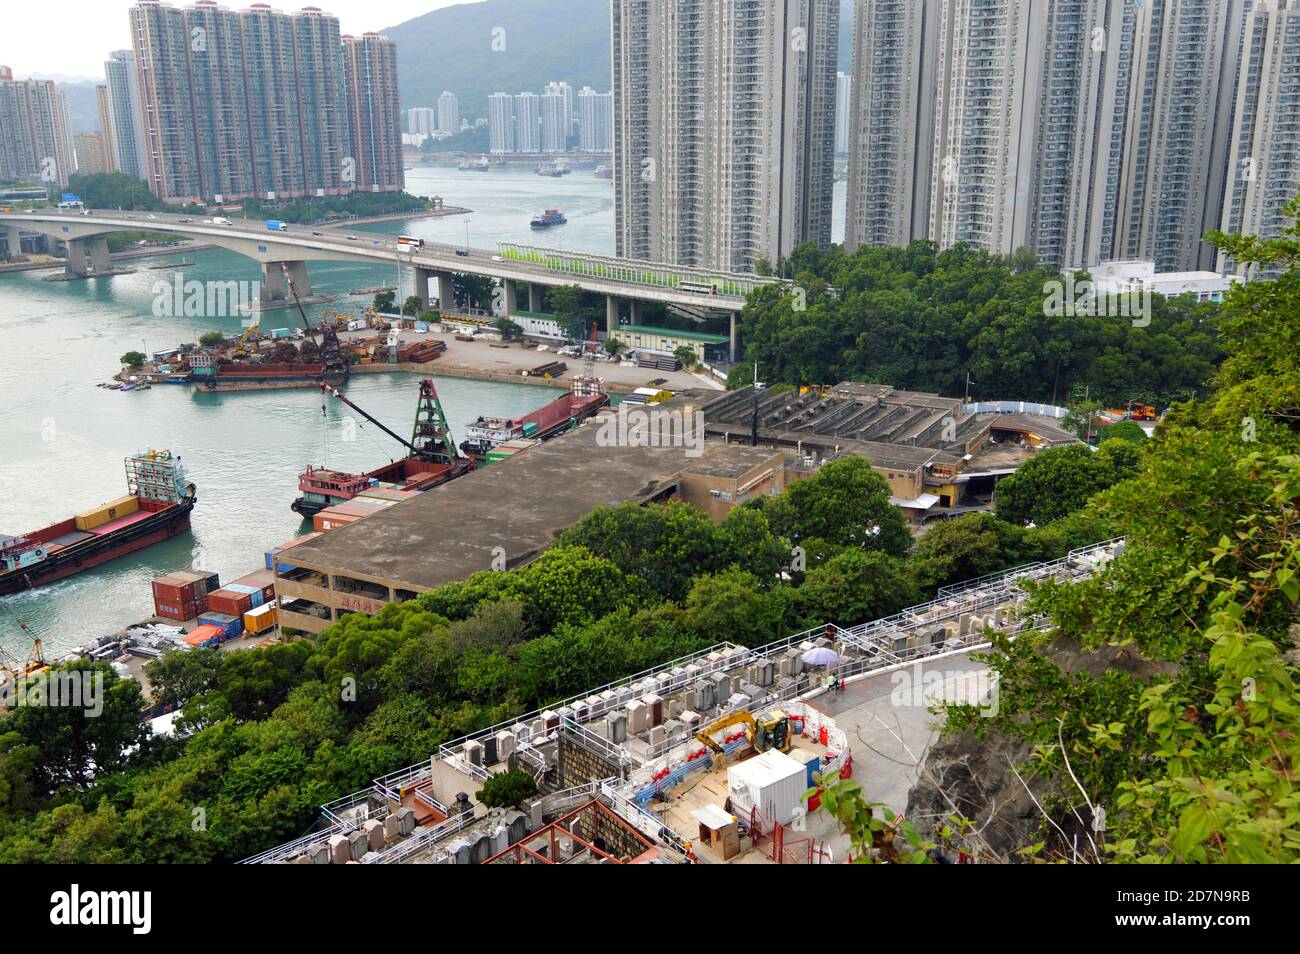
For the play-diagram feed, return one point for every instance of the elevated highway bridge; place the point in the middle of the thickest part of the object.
(284, 254)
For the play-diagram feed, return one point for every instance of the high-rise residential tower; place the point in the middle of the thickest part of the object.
(126, 141)
(108, 150)
(328, 165)
(448, 113)
(421, 120)
(370, 77)
(595, 120)
(1179, 129)
(528, 123)
(990, 57)
(501, 123)
(1264, 163)
(258, 103)
(557, 116)
(724, 128)
(35, 141)
(890, 121)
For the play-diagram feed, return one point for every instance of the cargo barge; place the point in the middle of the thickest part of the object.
(157, 506)
(432, 460)
(584, 399)
(262, 377)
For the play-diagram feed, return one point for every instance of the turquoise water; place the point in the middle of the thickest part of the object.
(62, 439)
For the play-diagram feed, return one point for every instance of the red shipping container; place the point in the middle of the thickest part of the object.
(229, 602)
(330, 519)
(180, 611)
(173, 589)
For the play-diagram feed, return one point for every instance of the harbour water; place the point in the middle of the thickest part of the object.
(62, 439)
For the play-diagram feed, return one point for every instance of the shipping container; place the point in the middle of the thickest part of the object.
(328, 520)
(772, 782)
(260, 620)
(230, 602)
(182, 611)
(230, 625)
(98, 516)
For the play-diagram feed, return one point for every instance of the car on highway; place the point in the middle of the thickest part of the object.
(317, 233)
(497, 258)
(186, 220)
(352, 238)
(463, 252)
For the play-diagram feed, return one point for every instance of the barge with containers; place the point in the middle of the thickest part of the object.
(432, 460)
(486, 434)
(157, 506)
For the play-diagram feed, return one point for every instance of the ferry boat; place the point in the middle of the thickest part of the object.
(157, 506)
(481, 164)
(548, 218)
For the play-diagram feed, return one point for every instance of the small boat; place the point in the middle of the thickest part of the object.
(547, 219)
(128, 387)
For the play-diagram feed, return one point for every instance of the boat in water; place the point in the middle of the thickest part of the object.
(547, 219)
(481, 164)
(552, 169)
(586, 396)
(157, 506)
(432, 460)
(604, 172)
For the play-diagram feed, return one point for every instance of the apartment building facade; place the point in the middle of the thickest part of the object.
(724, 134)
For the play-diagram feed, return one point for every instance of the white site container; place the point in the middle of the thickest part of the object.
(773, 782)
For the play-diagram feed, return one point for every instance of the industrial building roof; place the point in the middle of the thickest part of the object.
(519, 505)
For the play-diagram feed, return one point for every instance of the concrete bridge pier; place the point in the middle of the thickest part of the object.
(534, 297)
(511, 298)
(634, 316)
(611, 315)
(446, 291)
(15, 239)
(275, 281)
(442, 288)
(421, 290)
(731, 335)
(88, 257)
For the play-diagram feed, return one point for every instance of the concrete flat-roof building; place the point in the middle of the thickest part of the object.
(498, 517)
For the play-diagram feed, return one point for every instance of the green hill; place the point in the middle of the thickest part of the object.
(451, 49)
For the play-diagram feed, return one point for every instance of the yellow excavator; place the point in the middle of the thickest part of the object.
(771, 730)
(251, 331)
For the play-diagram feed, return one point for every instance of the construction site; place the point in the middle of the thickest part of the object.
(715, 758)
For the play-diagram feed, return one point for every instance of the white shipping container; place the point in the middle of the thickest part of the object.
(773, 782)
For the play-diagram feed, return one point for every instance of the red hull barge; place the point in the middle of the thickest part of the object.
(158, 507)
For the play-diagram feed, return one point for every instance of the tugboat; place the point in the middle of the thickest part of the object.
(548, 218)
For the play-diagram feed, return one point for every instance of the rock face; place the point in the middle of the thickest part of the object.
(973, 777)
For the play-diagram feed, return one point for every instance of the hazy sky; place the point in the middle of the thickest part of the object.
(74, 37)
